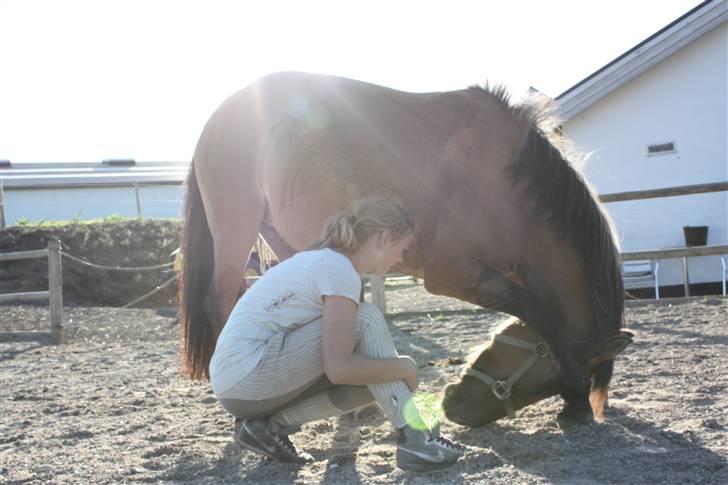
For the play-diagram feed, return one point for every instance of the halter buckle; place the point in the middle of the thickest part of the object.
(542, 350)
(501, 390)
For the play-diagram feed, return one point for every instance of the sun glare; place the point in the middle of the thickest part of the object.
(87, 80)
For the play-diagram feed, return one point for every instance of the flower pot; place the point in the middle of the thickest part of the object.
(696, 235)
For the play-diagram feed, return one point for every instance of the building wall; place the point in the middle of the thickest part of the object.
(680, 100)
(63, 204)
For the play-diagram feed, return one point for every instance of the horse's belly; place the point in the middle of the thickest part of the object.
(299, 217)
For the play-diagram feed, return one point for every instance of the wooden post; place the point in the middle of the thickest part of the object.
(55, 289)
(379, 298)
(262, 263)
(686, 276)
(138, 201)
(2, 206)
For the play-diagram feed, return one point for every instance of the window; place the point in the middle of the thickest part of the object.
(661, 148)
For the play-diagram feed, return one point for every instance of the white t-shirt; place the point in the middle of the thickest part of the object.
(287, 296)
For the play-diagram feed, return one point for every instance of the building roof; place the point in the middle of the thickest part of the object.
(111, 173)
(642, 57)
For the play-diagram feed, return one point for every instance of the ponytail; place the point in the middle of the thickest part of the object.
(346, 231)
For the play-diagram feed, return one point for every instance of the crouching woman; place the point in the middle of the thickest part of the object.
(300, 347)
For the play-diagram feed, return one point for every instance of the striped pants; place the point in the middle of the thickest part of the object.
(289, 385)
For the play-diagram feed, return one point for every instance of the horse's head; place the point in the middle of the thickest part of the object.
(514, 370)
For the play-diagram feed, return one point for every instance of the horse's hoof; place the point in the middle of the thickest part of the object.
(567, 419)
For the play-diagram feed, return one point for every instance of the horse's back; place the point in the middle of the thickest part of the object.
(306, 145)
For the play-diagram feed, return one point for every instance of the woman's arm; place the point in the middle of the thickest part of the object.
(342, 365)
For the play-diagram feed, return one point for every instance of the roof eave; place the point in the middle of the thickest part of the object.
(643, 57)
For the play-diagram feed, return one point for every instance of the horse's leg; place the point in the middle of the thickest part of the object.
(234, 206)
(234, 233)
(547, 318)
(515, 295)
(279, 246)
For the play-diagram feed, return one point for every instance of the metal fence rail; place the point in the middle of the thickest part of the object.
(673, 253)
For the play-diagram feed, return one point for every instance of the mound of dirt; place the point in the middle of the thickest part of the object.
(130, 243)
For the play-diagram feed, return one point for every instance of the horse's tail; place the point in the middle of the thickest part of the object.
(198, 336)
(600, 386)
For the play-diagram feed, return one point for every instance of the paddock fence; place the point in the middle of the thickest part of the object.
(54, 294)
(678, 252)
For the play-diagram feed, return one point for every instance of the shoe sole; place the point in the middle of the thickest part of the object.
(254, 449)
(423, 466)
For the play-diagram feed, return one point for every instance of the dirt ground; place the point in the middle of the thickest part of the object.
(110, 406)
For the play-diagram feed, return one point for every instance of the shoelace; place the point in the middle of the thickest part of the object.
(453, 445)
(448, 443)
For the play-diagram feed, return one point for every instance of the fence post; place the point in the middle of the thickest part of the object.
(138, 201)
(686, 276)
(2, 206)
(55, 290)
(379, 298)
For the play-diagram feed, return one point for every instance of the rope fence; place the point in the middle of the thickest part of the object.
(54, 294)
(116, 268)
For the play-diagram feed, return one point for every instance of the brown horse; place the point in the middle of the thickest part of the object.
(503, 219)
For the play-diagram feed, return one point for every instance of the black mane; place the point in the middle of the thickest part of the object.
(564, 198)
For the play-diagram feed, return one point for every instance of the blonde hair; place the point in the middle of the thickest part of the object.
(347, 231)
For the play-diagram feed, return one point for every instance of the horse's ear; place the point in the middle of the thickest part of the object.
(607, 349)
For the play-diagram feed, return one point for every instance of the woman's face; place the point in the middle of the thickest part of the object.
(391, 251)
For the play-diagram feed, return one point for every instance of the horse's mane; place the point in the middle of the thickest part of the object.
(564, 198)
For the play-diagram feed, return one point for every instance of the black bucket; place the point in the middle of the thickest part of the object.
(696, 235)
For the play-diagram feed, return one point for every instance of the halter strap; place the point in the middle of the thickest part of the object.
(502, 388)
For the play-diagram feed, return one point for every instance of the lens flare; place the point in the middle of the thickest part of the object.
(424, 411)
(313, 114)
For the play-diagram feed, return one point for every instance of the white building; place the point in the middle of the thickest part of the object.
(66, 191)
(655, 117)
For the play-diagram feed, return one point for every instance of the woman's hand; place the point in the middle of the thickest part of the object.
(412, 378)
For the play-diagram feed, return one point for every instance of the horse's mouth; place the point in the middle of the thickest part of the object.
(471, 419)
(467, 411)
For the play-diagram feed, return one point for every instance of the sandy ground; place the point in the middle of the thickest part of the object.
(110, 406)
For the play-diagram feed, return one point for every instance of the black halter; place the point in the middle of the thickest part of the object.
(502, 388)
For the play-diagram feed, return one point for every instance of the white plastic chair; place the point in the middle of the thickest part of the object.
(636, 273)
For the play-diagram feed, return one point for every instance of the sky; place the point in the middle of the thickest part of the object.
(93, 80)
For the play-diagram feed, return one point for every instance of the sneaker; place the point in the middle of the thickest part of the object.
(425, 451)
(255, 435)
